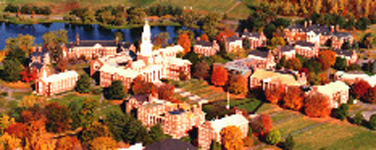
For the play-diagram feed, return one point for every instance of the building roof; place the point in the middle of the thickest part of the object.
(233, 120)
(304, 43)
(262, 54)
(351, 76)
(241, 65)
(60, 76)
(233, 38)
(252, 34)
(90, 43)
(332, 87)
(170, 144)
(286, 79)
(119, 70)
(287, 48)
(177, 61)
(204, 43)
(344, 52)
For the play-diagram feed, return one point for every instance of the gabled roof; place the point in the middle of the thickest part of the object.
(344, 52)
(204, 43)
(259, 53)
(282, 78)
(233, 120)
(304, 43)
(233, 39)
(90, 43)
(287, 48)
(252, 34)
(332, 87)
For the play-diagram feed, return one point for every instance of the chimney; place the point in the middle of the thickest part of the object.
(310, 22)
(77, 39)
(332, 28)
(305, 24)
(337, 28)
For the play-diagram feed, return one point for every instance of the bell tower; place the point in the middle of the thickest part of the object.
(146, 45)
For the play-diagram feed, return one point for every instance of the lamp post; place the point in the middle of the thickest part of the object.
(228, 101)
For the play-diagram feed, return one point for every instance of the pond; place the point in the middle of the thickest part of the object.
(86, 32)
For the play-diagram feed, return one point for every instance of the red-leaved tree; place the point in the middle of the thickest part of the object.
(28, 74)
(327, 59)
(184, 42)
(18, 130)
(224, 33)
(219, 75)
(317, 105)
(274, 94)
(371, 95)
(359, 89)
(262, 125)
(237, 85)
(166, 91)
(293, 99)
(140, 86)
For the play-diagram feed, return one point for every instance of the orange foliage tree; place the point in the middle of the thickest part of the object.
(237, 85)
(166, 91)
(293, 99)
(327, 59)
(359, 89)
(18, 130)
(224, 33)
(68, 143)
(9, 142)
(204, 37)
(28, 75)
(262, 125)
(101, 143)
(39, 138)
(323, 77)
(317, 105)
(219, 75)
(274, 94)
(140, 86)
(293, 63)
(184, 42)
(232, 138)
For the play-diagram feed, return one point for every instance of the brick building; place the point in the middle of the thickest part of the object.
(255, 39)
(211, 130)
(287, 51)
(352, 77)
(40, 61)
(56, 83)
(338, 92)
(152, 65)
(94, 48)
(263, 59)
(350, 55)
(175, 119)
(307, 49)
(206, 48)
(233, 44)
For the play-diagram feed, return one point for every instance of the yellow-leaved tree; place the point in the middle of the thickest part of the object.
(232, 138)
(101, 143)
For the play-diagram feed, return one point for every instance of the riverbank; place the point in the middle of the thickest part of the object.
(27, 20)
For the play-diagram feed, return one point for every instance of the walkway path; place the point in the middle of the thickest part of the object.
(233, 6)
(191, 96)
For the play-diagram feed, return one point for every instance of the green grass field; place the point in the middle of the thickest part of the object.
(325, 133)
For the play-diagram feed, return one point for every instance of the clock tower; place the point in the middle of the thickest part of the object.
(146, 45)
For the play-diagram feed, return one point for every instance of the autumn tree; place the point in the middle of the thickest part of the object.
(166, 91)
(58, 118)
(274, 94)
(68, 143)
(293, 99)
(140, 86)
(262, 125)
(231, 138)
(327, 59)
(31, 100)
(18, 130)
(201, 70)
(23, 42)
(368, 40)
(53, 41)
(317, 105)
(38, 137)
(83, 84)
(204, 37)
(359, 89)
(274, 137)
(90, 133)
(237, 84)
(33, 113)
(10, 142)
(28, 74)
(293, 63)
(88, 113)
(278, 41)
(219, 75)
(6, 121)
(185, 42)
(371, 95)
(136, 15)
(224, 33)
(210, 26)
(323, 78)
(101, 143)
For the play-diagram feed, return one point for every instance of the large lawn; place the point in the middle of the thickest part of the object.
(325, 133)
